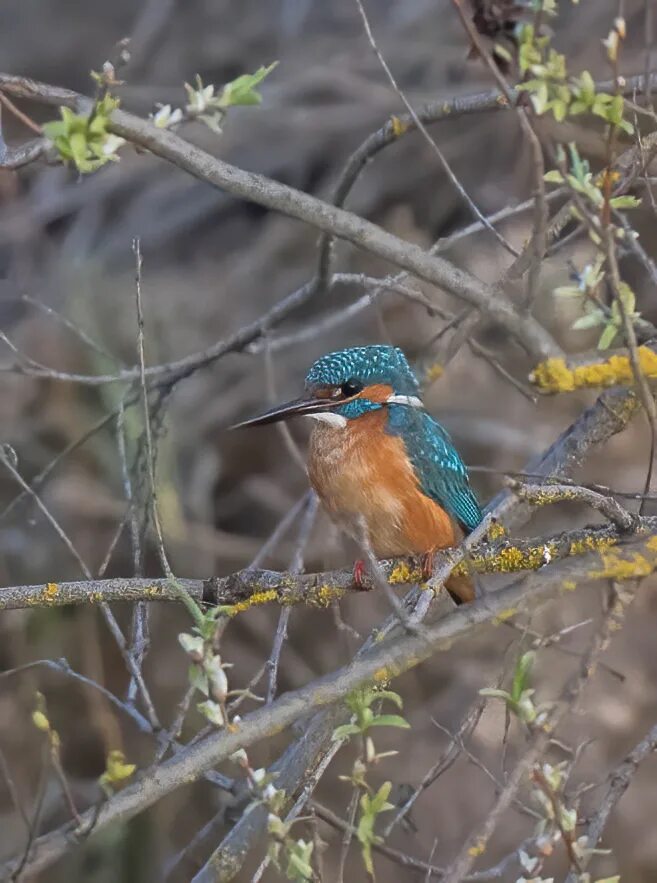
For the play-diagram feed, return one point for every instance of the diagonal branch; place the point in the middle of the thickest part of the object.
(380, 664)
(289, 201)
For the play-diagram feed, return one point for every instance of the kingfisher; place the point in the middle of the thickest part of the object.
(384, 469)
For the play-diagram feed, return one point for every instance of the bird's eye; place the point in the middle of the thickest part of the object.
(351, 387)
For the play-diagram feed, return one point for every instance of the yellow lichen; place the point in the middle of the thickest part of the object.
(398, 127)
(590, 544)
(433, 372)
(381, 676)
(554, 375)
(254, 600)
(616, 566)
(569, 585)
(325, 595)
(508, 559)
(51, 591)
(403, 573)
(511, 559)
(477, 849)
(496, 531)
(503, 615)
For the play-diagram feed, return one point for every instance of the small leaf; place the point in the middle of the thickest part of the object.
(624, 202)
(590, 320)
(40, 721)
(607, 337)
(391, 697)
(521, 675)
(390, 720)
(345, 731)
(213, 712)
(553, 177)
(198, 679)
(559, 109)
(39, 715)
(116, 770)
(495, 694)
(242, 91)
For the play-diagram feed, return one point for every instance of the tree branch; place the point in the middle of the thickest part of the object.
(289, 201)
(380, 664)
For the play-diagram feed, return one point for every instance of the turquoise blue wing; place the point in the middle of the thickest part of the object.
(442, 474)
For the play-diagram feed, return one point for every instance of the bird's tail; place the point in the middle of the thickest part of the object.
(460, 587)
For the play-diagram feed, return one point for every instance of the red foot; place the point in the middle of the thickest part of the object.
(427, 564)
(359, 574)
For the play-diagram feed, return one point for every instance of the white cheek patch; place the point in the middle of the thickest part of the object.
(330, 417)
(411, 401)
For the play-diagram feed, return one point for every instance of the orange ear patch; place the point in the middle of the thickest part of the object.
(377, 392)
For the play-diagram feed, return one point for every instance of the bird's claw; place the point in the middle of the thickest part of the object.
(427, 561)
(359, 574)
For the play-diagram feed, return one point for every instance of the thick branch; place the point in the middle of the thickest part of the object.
(252, 587)
(304, 207)
(380, 664)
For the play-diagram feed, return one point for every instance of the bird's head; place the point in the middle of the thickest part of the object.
(347, 384)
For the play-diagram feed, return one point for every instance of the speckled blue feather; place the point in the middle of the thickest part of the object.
(442, 474)
(369, 364)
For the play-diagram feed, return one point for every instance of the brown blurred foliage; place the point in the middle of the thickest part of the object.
(211, 264)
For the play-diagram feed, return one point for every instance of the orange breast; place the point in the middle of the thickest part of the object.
(363, 477)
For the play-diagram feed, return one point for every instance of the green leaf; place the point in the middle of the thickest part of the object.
(553, 177)
(379, 803)
(590, 320)
(495, 694)
(116, 770)
(345, 731)
(577, 107)
(242, 91)
(607, 337)
(198, 679)
(390, 696)
(616, 108)
(298, 857)
(390, 720)
(84, 139)
(586, 85)
(370, 809)
(559, 109)
(624, 202)
(521, 674)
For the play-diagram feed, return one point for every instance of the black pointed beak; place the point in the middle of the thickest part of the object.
(297, 408)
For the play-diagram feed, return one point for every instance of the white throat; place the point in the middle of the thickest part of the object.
(330, 417)
(337, 421)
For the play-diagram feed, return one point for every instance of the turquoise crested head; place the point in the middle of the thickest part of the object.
(365, 366)
(349, 383)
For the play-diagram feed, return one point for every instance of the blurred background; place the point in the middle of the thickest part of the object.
(211, 265)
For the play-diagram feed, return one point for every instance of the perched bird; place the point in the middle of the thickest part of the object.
(385, 470)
